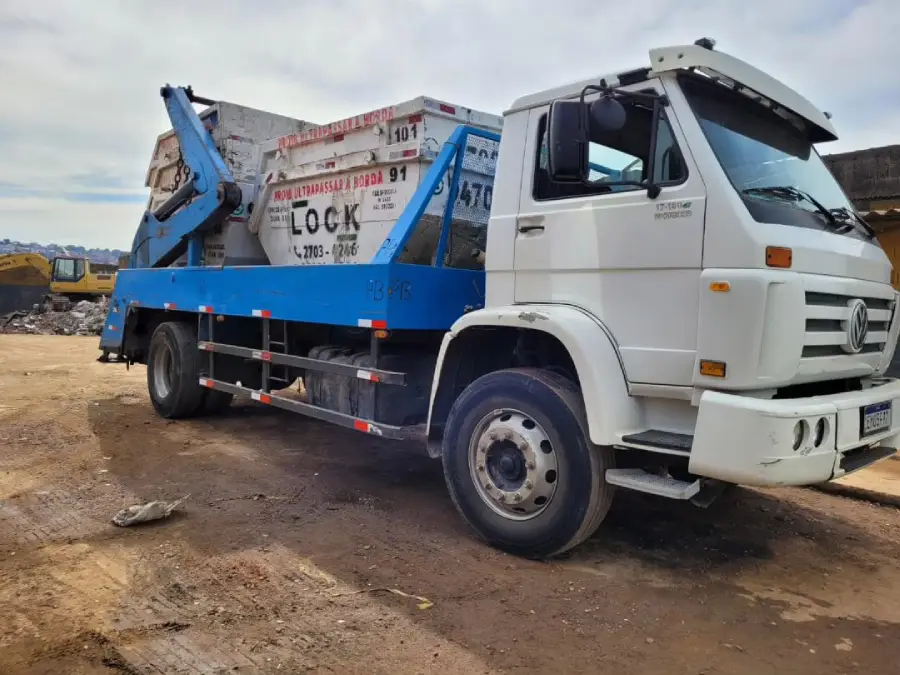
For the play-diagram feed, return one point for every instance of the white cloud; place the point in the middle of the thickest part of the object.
(80, 80)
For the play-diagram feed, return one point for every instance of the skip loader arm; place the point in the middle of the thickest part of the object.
(208, 195)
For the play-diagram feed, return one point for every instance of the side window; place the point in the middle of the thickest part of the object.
(623, 155)
(68, 269)
(65, 269)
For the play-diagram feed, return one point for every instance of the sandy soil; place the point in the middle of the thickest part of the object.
(882, 479)
(293, 531)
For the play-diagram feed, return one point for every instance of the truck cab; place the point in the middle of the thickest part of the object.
(745, 307)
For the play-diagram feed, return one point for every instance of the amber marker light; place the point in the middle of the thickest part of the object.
(778, 257)
(712, 368)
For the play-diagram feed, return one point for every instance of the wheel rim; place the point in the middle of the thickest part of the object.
(513, 464)
(163, 370)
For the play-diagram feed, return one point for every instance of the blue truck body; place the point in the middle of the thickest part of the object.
(249, 304)
(382, 292)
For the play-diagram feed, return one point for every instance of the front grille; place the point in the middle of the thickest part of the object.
(826, 317)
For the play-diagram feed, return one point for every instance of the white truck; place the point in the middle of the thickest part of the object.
(671, 294)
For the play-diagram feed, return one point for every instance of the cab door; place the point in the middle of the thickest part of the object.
(631, 261)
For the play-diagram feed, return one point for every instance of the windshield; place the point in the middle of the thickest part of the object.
(771, 163)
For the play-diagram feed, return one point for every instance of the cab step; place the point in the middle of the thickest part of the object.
(662, 486)
(663, 440)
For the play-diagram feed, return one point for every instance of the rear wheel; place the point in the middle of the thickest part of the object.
(173, 371)
(520, 466)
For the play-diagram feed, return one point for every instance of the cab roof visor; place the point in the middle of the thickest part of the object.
(744, 78)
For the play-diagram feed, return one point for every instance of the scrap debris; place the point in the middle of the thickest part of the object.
(144, 513)
(424, 603)
(84, 318)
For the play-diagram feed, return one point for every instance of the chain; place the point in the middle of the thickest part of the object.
(181, 169)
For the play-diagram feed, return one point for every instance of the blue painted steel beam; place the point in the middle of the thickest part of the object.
(404, 296)
(406, 224)
(161, 240)
(599, 168)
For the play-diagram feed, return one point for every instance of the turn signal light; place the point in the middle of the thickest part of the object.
(720, 287)
(712, 368)
(381, 334)
(778, 257)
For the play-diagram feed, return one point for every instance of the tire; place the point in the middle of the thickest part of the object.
(215, 402)
(173, 371)
(533, 406)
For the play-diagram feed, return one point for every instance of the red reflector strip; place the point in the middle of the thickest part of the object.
(447, 109)
(366, 428)
(366, 375)
(111, 327)
(206, 383)
(262, 356)
(262, 398)
(372, 323)
(262, 313)
(410, 153)
(170, 305)
(414, 118)
(205, 346)
(205, 309)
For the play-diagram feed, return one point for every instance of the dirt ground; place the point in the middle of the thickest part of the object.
(293, 531)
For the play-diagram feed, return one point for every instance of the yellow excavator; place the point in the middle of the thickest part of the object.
(28, 279)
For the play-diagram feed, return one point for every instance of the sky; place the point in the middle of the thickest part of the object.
(79, 81)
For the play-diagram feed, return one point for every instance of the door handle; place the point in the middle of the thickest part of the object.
(531, 224)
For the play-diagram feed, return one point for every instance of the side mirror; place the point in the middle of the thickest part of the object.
(567, 142)
(607, 115)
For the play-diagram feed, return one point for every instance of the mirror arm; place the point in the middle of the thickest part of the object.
(657, 100)
(653, 189)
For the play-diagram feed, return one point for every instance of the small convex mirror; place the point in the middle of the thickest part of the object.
(606, 115)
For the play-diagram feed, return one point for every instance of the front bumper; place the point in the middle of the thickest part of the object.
(750, 441)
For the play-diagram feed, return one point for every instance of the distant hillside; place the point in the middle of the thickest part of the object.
(97, 255)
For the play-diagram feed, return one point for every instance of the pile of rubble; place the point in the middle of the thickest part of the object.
(84, 318)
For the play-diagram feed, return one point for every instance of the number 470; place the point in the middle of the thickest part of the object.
(476, 195)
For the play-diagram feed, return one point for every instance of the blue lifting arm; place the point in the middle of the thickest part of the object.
(206, 199)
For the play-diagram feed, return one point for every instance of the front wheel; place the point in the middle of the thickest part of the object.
(520, 466)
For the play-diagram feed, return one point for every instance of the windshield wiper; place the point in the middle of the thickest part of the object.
(850, 214)
(790, 192)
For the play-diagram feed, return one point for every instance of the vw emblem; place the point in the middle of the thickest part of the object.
(857, 326)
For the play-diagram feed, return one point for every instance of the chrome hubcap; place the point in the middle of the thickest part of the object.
(513, 464)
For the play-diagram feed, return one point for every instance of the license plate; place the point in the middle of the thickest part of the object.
(875, 418)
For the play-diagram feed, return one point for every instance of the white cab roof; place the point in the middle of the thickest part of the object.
(708, 61)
